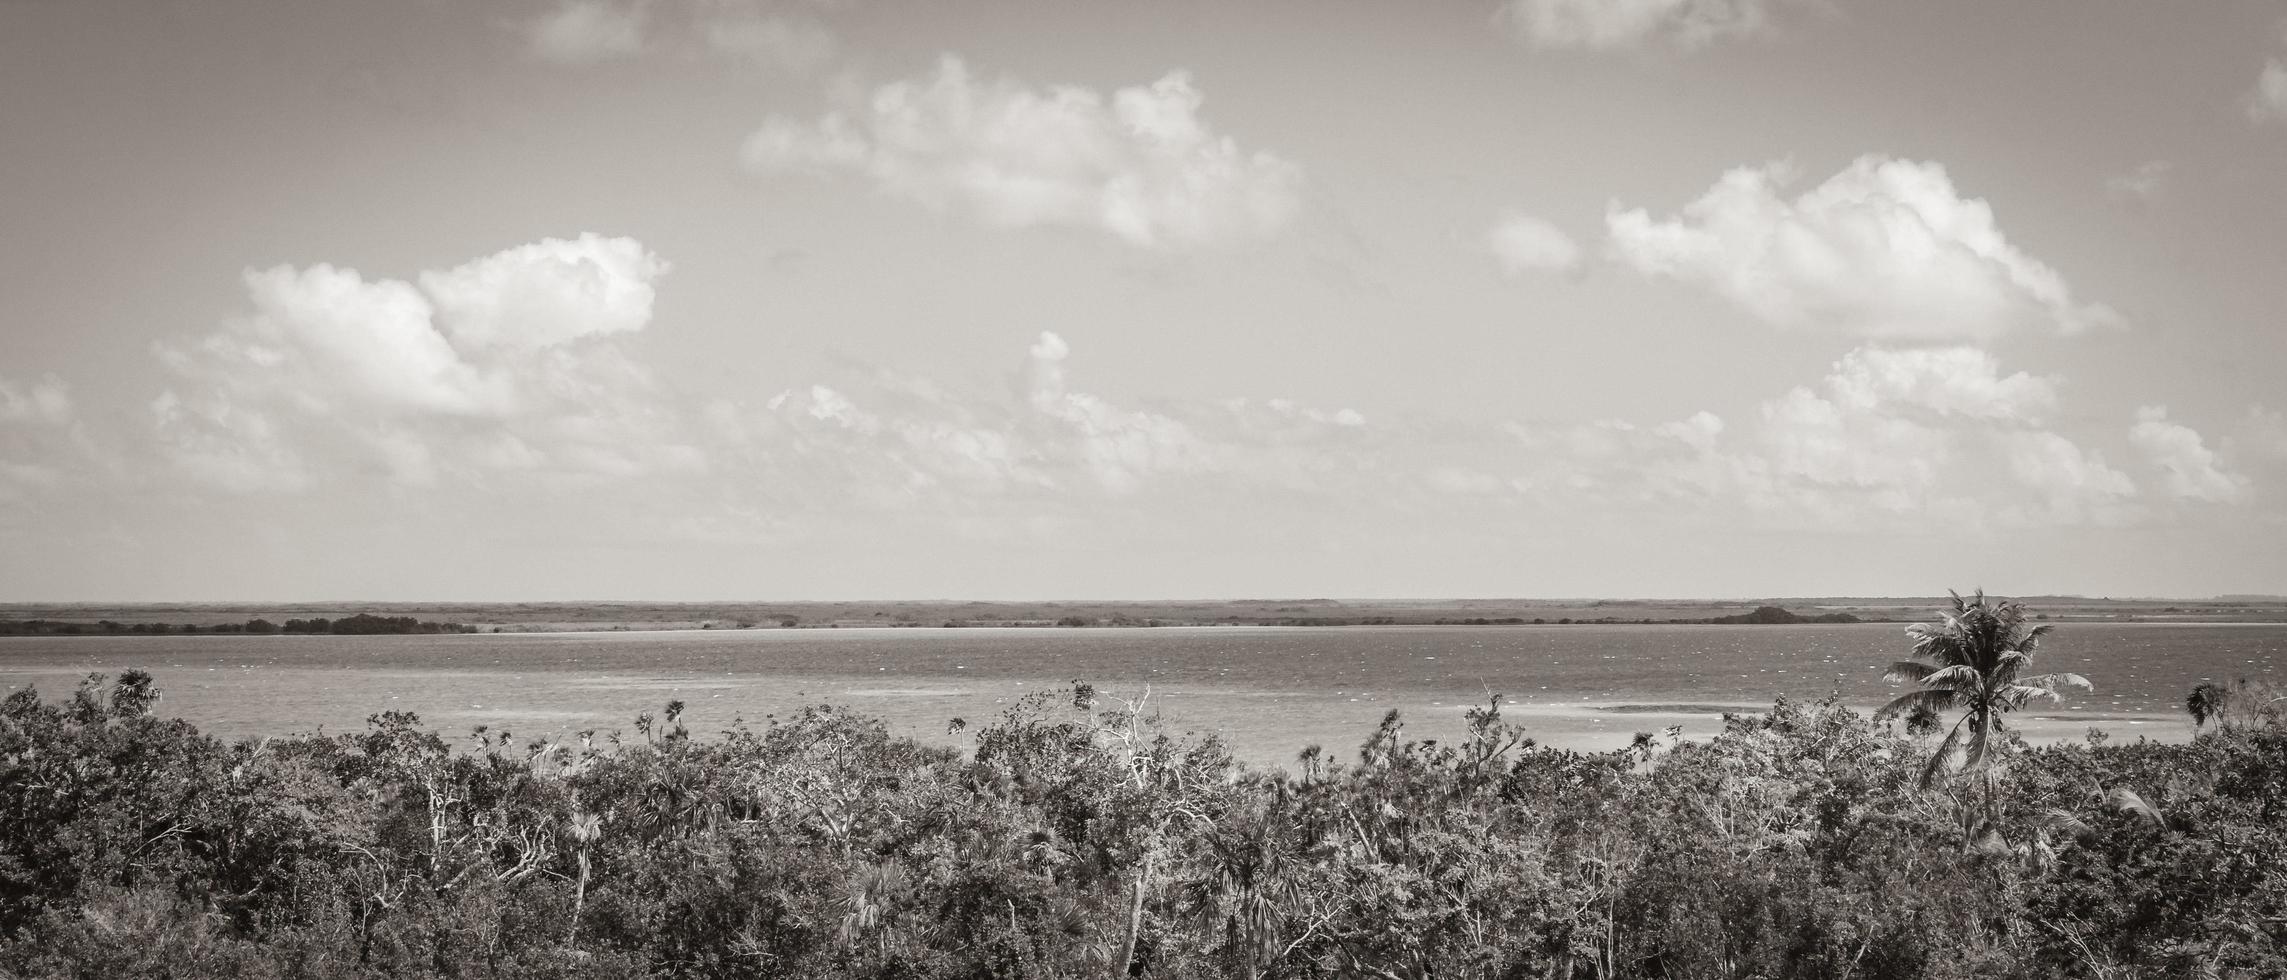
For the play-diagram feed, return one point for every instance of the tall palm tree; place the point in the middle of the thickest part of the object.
(1974, 661)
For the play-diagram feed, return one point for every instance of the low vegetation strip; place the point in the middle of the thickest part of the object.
(1076, 837)
(1078, 840)
(360, 624)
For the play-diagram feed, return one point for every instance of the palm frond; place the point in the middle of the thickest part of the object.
(1936, 700)
(1956, 676)
(2058, 820)
(1931, 772)
(2204, 702)
(2127, 801)
(2015, 695)
(1909, 670)
(1980, 748)
(1942, 649)
(2054, 681)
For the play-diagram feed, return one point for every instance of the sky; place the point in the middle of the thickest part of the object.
(1000, 299)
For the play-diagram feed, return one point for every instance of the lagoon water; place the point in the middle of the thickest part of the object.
(1268, 691)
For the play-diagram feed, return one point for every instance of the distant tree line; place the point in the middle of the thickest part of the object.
(1775, 616)
(366, 624)
(360, 624)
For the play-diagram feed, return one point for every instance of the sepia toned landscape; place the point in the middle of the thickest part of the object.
(1078, 830)
(1171, 490)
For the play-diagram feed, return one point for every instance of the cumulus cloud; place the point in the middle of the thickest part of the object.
(1886, 437)
(1958, 381)
(2073, 483)
(2268, 102)
(1609, 24)
(1523, 244)
(377, 343)
(1118, 447)
(914, 439)
(1885, 248)
(1921, 428)
(1043, 444)
(547, 293)
(2189, 469)
(1814, 442)
(469, 377)
(588, 31)
(1139, 164)
(500, 364)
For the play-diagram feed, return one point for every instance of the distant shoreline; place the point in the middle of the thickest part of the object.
(622, 629)
(61, 619)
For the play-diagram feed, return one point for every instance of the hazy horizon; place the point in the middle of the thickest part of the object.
(804, 298)
(1395, 600)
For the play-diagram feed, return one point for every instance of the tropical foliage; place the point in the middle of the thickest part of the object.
(1974, 661)
(1078, 837)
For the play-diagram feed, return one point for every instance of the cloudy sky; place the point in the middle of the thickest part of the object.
(690, 299)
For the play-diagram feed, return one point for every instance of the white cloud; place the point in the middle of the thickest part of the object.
(1608, 24)
(374, 342)
(1831, 445)
(1523, 244)
(1961, 381)
(1885, 248)
(222, 444)
(1119, 448)
(546, 293)
(2189, 469)
(898, 442)
(588, 31)
(1923, 430)
(1044, 445)
(2268, 103)
(1140, 164)
(2074, 484)
(500, 364)
(1887, 437)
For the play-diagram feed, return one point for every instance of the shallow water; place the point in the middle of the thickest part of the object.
(1268, 691)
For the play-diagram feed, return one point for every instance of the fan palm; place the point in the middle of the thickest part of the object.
(1974, 661)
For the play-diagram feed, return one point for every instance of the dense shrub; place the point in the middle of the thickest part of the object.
(1077, 839)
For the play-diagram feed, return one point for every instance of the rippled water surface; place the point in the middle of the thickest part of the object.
(1269, 691)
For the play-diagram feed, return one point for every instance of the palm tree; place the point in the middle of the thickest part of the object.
(585, 827)
(1973, 661)
(2206, 701)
